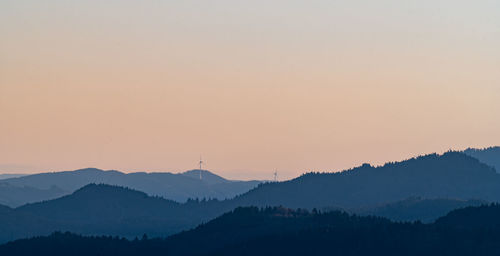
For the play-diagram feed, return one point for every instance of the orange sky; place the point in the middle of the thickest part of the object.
(251, 85)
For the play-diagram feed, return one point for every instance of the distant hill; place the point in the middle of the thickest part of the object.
(281, 231)
(418, 209)
(489, 156)
(177, 187)
(14, 196)
(105, 209)
(8, 176)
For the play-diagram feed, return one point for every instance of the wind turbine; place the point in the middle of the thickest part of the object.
(201, 165)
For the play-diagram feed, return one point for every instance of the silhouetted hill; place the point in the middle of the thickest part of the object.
(14, 196)
(451, 175)
(106, 210)
(281, 231)
(177, 187)
(418, 209)
(489, 156)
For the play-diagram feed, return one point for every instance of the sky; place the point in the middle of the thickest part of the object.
(252, 86)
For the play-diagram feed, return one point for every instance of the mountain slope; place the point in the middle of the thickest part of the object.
(489, 156)
(177, 187)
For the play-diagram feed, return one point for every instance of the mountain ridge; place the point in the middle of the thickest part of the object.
(450, 175)
(178, 187)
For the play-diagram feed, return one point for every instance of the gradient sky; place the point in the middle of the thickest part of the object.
(251, 85)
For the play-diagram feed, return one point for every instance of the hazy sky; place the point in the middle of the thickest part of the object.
(251, 85)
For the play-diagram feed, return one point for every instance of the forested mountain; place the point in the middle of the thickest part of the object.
(177, 187)
(489, 156)
(106, 209)
(451, 175)
(281, 231)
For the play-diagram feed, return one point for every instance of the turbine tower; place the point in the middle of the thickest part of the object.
(201, 165)
(276, 175)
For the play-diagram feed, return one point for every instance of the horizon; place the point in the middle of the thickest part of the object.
(252, 86)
